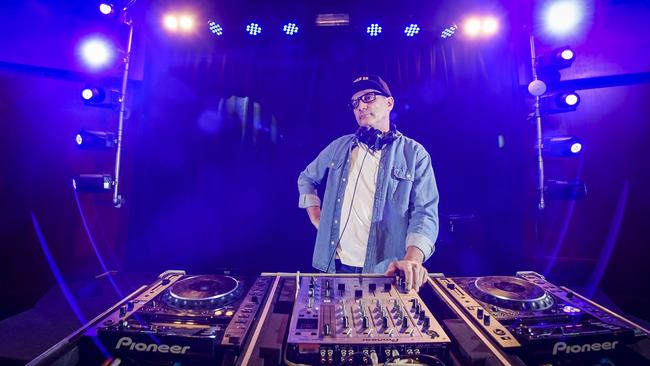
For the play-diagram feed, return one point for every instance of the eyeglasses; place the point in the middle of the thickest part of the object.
(366, 98)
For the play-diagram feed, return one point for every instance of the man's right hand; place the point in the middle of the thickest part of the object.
(314, 215)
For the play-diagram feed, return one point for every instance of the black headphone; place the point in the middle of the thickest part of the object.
(376, 139)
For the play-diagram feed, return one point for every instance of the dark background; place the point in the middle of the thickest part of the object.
(220, 128)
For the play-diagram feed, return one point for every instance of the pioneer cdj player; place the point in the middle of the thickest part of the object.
(530, 317)
(340, 319)
(201, 319)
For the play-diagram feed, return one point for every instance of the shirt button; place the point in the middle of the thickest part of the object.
(344, 179)
(332, 243)
(408, 176)
(338, 200)
(336, 221)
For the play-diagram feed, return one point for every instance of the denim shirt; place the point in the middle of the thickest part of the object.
(405, 210)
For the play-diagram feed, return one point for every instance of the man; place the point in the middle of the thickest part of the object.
(380, 207)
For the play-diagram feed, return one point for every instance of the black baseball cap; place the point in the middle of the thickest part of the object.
(370, 82)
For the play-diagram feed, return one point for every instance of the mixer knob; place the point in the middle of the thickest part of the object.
(479, 313)
(451, 286)
(327, 292)
(364, 322)
(358, 293)
(372, 287)
(387, 286)
(405, 322)
(384, 321)
(341, 287)
(327, 284)
(345, 321)
(486, 319)
(326, 329)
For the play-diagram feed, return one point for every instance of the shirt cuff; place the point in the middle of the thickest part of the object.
(421, 242)
(308, 200)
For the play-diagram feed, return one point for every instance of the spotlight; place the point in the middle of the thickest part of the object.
(412, 30)
(557, 59)
(373, 30)
(92, 94)
(253, 29)
(93, 183)
(95, 140)
(489, 26)
(561, 17)
(332, 20)
(559, 102)
(215, 28)
(449, 31)
(186, 23)
(290, 29)
(96, 52)
(171, 22)
(565, 190)
(106, 8)
(472, 27)
(561, 146)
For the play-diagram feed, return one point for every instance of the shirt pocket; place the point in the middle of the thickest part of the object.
(400, 189)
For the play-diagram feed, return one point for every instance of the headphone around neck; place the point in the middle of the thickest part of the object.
(376, 139)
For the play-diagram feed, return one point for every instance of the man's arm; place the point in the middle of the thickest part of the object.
(308, 180)
(423, 225)
(314, 215)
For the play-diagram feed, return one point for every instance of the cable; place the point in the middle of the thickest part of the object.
(354, 192)
(436, 360)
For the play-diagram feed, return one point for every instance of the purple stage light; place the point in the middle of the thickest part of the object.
(171, 22)
(576, 147)
(567, 54)
(489, 26)
(373, 29)
(253, 29)
(472, 27)
(106, 8)
(561, 17)
(215, 28)
(571, 99)
(290, 29)
(412, 30)
(96, 52)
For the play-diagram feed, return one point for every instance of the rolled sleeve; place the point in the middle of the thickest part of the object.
(423, 226)
(308, 200)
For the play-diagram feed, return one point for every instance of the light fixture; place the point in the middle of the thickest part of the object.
(565, 146)
(565, 190)
(93, 183)
(290, 29)
(106, 8)
(215, 28)
(411, 30)
(93, 94)
(373, 29)
(563, 16)
(559, 102)
(449, 31)
(253, 29)
(95, 140)
(96, 52)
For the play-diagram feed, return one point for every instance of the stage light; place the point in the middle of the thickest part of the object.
(332, 20)
(95, 140)
(106, 8)
(253, 29)
(171, 22)
(559, 102)
(449, 31)
(186, 23)
(215, 28)
(96, 52)
(561, 17)
(93, 183)
(373, 29)
(92, 94)
(290, 29)
(472, 27)
(565, 190)
(489, 26)
(557, 59)
(566, 146)
(412, 30)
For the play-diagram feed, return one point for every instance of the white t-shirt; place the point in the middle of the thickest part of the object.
(354, 242)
